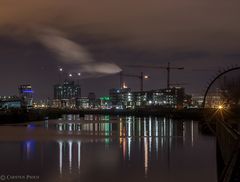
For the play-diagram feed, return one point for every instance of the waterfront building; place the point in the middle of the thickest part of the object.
(213, 101)
(92, 99)
(66, 94)
(170, 97)
(105, 102)
(67, 90)
(42, 103)
(82, 103)
(10, 102)
(122, 98)
(117, 97)
(127, 100)
(56, 103)
(197, 101)
(140, 99)
(187, 102)
(26, 94)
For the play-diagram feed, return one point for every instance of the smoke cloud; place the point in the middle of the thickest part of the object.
(69, 52)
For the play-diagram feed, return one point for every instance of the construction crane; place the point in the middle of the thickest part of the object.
(141, 77)
(168, 68)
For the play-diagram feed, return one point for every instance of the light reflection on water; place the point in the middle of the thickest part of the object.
(122, 149)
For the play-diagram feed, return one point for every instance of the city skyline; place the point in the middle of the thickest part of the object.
(124, 90)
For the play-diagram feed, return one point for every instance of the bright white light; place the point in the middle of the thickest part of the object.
(70, 75)
(60, 69)
(79, 74)
(146, 77)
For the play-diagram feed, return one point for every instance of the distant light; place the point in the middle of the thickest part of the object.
(27, 91)
(60, 69)
(31, 126)
(125, 85)
(105, 98)
(70, 75)
(220, 107)
(79, 74)
(146, 77)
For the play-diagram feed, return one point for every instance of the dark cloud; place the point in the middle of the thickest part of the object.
(186, 24)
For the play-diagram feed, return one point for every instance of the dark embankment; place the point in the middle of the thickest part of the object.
(22, 115)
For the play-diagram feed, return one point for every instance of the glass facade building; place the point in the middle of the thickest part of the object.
(68, 90)
(124, 98)
(26, 94)
(66, 95)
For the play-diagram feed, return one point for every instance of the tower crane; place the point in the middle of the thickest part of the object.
(168, 68)
(141, 77)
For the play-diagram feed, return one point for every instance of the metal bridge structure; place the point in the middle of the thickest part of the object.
(228, 139)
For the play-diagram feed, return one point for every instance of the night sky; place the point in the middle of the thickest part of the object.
(96, 37)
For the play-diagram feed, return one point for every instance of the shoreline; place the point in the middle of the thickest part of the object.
(24, 116)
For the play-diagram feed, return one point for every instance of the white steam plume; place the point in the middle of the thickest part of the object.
(107, 68)
(71, 52)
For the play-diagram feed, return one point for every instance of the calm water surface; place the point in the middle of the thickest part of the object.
(103, 148)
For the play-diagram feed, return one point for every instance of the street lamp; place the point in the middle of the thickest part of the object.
(220, 107)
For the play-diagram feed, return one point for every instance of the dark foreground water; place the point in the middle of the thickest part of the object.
(100, 148)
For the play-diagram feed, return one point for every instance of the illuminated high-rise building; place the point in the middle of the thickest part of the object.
(117, 96)
(125, 98)
(26, 94)
(68, 90)
(67, 94)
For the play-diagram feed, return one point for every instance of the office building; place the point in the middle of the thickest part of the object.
(117, 97)
(65, 95)
(68, 90)
(26, 94)
(105, 102)
(82, 103)
(124, 98)
(10, 102)
(92, 100)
